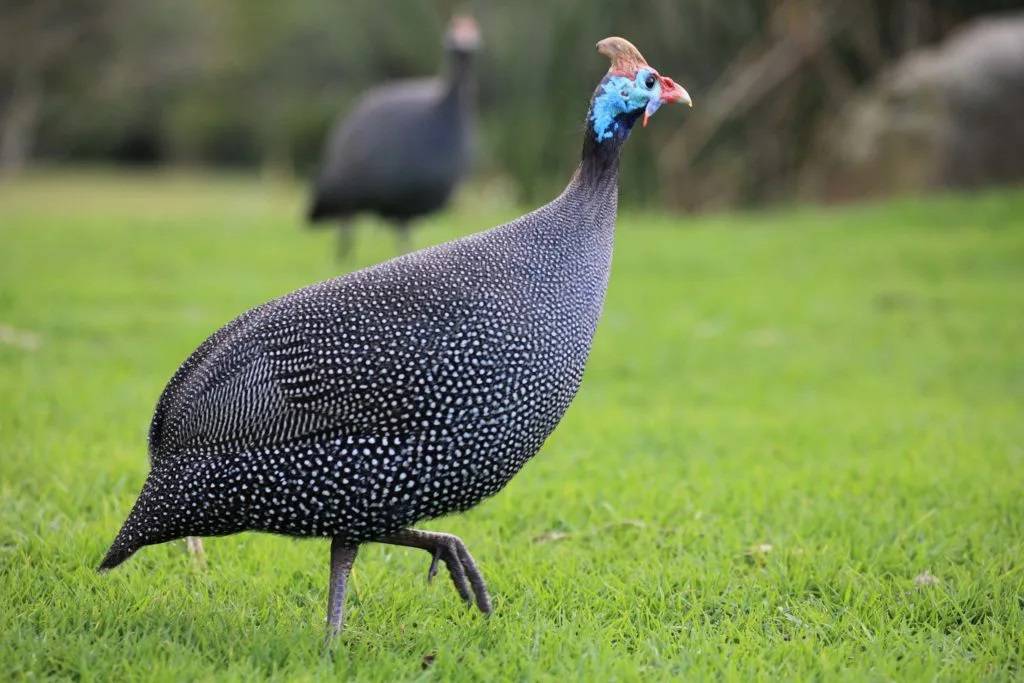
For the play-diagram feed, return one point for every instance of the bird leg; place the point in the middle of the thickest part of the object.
(346, 240)
(465, 575)
(194, 546)
(402, 228)
(343, 555)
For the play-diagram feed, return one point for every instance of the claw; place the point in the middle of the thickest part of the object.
(465, 575)
(432, 572)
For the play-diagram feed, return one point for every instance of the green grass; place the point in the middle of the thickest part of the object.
(787, 417)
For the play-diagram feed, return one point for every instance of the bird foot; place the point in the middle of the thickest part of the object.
(432, 572)
(453, 552)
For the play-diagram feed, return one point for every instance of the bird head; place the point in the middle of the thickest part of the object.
(463, 34)
(631, 88)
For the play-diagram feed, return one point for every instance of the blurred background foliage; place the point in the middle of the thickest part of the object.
(256, 83)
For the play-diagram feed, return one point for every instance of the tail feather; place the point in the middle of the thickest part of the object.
(324, 208)
(313, 214)
(143, 526)
(317, 212)
(118, 553)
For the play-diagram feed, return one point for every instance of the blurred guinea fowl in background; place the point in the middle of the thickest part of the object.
(403, 148)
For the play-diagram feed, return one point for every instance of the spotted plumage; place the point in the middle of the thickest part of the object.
(359, 405)
(353, 408)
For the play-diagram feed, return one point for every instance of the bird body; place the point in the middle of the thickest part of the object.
(355, 407)
(399, 154)
(404, 391)
(404, 147)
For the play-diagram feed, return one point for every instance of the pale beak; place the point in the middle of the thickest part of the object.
(670, 92)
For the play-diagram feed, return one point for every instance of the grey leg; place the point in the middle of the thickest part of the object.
(343, 555)
(404, 238)
(194, 545)
(346, 241)
(465, 575)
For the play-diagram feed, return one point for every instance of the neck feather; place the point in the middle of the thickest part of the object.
(458, 72)
(600, 158)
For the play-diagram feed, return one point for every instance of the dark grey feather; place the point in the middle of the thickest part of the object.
(408, 390)
(401, 151)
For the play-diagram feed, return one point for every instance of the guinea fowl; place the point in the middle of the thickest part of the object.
(403, 148)
(356, 407)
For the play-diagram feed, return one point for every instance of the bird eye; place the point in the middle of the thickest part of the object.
(649, 81)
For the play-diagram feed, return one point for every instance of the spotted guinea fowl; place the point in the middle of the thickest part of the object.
(356, 407)
(404, 147)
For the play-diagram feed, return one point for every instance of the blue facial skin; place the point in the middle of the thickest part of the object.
(618, 95)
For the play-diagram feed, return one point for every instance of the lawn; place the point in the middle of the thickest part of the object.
(798, 452)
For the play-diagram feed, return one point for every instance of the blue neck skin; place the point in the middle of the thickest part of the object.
(616, 105)
(614, 109)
